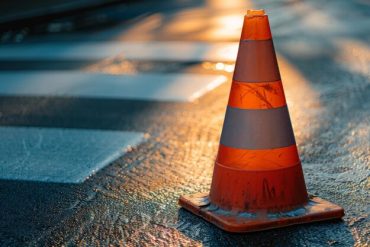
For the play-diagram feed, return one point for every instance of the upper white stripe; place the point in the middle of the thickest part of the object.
(158, 87)
(172, 51)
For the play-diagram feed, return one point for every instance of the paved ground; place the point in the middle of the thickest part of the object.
(324, 58)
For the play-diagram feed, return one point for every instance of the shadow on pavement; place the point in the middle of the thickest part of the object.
(60, 112)
(30, 209)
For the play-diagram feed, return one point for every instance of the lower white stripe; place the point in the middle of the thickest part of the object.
(59, 155)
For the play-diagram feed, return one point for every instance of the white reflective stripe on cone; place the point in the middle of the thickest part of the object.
(256, 62)
(257, 129)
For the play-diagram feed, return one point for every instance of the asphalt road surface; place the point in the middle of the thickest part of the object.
(89, 161)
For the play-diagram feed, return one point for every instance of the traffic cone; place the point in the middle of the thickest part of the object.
(258, 181)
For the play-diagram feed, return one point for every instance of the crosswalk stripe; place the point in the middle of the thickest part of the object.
(157, 87)
(139, 50)
(60, 155)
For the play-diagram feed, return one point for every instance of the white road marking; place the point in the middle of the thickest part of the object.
(60, 155)
(139, 50)
(157, 87)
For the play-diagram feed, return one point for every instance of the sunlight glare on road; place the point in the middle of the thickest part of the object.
(227, 27)
(354, 55)
(227, 4)
(299, 95)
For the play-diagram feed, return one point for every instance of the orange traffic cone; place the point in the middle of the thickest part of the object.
(258, 182)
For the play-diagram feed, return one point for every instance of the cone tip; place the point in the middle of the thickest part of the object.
(255, 12)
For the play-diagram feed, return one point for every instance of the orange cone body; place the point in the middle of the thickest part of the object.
(257, 170)
(257, 166)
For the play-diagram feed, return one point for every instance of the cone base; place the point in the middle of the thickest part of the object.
(316, 209)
